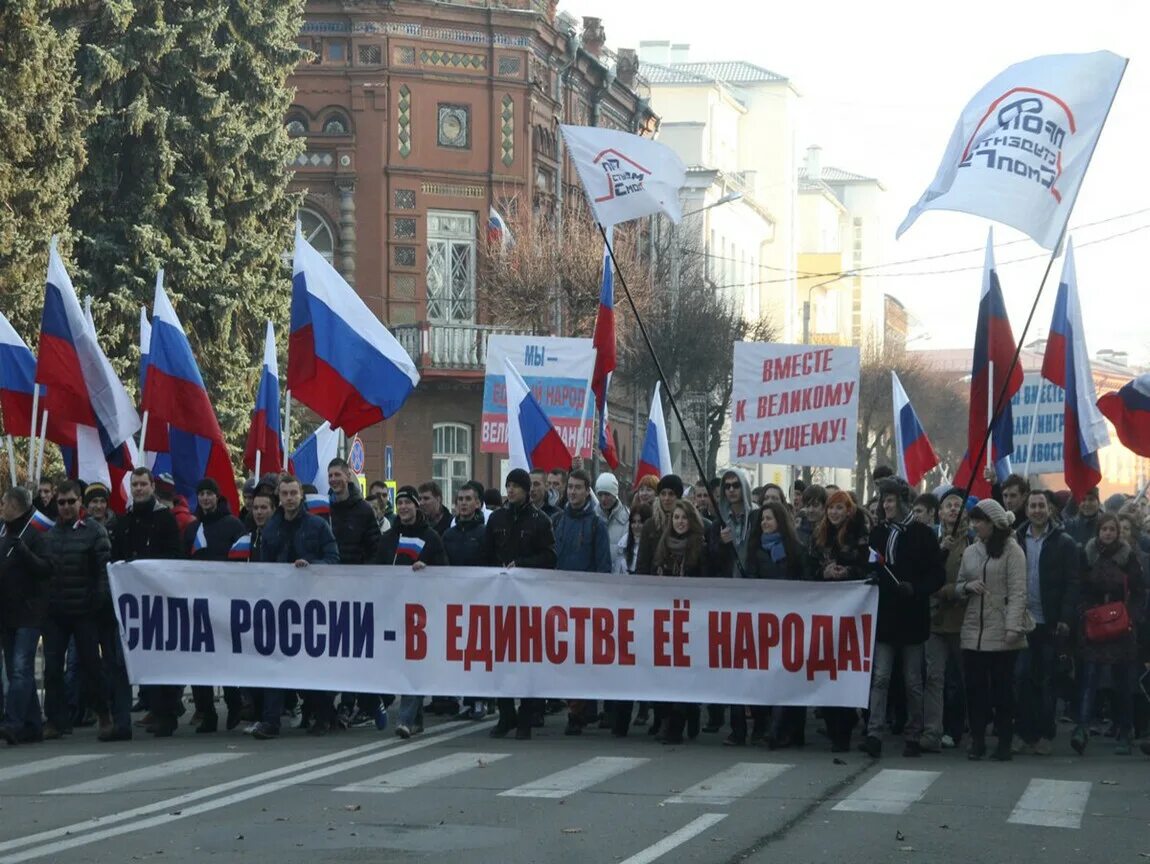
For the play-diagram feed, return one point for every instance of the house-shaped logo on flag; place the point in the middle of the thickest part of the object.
(624, 175)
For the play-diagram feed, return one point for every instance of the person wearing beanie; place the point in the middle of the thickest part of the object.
(1054, 564)
(669, 490)
(96, 497)
(992, 577)
(518, 535)
(617, 517)
(1084, 527)
(910, 572)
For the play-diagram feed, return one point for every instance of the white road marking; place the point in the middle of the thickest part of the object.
(428, 772)
(1052, 803)
(56, 762)
(672, 841)
(142, 775)
(261, 784)
(572, 780)
(891, 791)
(725, 787)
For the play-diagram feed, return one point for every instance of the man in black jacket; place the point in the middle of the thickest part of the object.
(464, 542)
(518, 535)
(431, 502)
(78, 550)
(24, 573)
(1053, 564)
(210, 538)
(910, 571)
(150, 530)
(357, 535)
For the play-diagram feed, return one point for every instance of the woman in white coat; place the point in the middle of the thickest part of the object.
(993, 578)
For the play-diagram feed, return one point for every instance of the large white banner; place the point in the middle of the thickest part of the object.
(558, 371)
(795, 404)
(1039, 406)
(496, 633)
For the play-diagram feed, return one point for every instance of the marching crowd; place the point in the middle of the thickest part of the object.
(999, 618)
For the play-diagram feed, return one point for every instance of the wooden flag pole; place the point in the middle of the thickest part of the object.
(32, 431)
(11, 458)
(287, 426)
(40, 454)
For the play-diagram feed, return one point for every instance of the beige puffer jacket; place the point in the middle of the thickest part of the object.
(1002, 606)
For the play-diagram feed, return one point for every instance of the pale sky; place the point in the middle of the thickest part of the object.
(883, 83)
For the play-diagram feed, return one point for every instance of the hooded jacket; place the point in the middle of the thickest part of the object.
(25, 571)
(221, 531)
(723, 555)
(406, 544)
(79, 555)
(618, 524)
(582, 543)
(147, 530)
(356, 531)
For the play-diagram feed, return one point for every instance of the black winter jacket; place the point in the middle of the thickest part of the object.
(221, 530)
(1060, 564)
(79, 554)
(519, 534)
(307, 538)
(463, 542)
(910, 551)
(148, 530)
(356, 531)
(25, 571)
(425, 544)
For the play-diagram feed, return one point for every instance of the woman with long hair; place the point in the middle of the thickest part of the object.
(992, 577)
(1112, 575)
(840, 551)
(640, 513)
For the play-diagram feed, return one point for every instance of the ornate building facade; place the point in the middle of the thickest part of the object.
(419, 118)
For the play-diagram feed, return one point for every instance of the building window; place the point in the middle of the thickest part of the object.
(370, 55)
(403, 228)
(335, 124)
(510, 67)
(404, 199)
(450, 267)
(318, 233)
(450, 458)
(337, 51)
(404, 256)
(404, 55)
(454, 126)
(296, 124)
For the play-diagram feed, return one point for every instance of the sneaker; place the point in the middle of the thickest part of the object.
(251, 728)
(403, 730)
(466, 712)
(871, 746)
(1043, 747)
(479, 711)
(265, 731)
(381, 718)
(1079, 739)
(1022, 747)
(948, 743)
(361, 720)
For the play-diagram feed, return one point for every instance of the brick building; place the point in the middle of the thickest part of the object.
(419, 117)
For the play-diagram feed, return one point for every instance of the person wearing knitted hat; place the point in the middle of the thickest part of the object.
(616, 515)
(518, 535)
(668, 491)
(95, 501)
(993, 578)
(910, 572)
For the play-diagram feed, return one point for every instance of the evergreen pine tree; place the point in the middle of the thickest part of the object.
(189, 171)
(41, 151)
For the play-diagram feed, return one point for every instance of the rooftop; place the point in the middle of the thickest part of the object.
(727, 72)
(833, 175)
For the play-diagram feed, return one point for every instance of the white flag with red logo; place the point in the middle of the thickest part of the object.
(1020, 149)
(625, 177)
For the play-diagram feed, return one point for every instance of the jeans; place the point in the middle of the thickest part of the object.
(58, 629)
(1120, 680)
(1036, 693)
(990, 685)
(943, 708)
(112, 653)
(884, 654)
(272, 709)
(410, 711)
(22, 707)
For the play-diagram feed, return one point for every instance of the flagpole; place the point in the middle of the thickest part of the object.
(667, 388)
(144, 432)
(11, 458)
(32, 431)
(287, 425)
(583, 416)
(1033, 422)
(990, 417)
(259, 454)
(40, 455)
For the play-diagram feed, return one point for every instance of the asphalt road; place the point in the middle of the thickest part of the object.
(453, 794)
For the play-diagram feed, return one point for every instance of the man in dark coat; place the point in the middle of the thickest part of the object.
(464, 543)
(294, 536)
(24, 573)
(431, 502)
(78, 550)
(911, 569)
(518, 535)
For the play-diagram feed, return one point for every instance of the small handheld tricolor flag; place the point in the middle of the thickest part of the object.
(318, 505)
(40, 522)
(409, 549)
(242, 549)
(200, 542)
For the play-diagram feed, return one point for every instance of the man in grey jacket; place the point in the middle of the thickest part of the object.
(616, 516)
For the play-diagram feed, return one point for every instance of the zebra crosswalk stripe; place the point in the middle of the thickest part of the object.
(1052, 803)
(41, 766)
(575, 779)
(427, 772)
(143, 775)
(724, 788)
(891, 791)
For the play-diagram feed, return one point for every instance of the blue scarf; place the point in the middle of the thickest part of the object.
(773, 543)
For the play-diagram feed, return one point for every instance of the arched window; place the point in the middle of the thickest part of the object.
(318, 233)
(335, 124)
(296, 124)
(450, 458)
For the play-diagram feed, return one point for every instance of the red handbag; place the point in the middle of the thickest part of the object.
(1108, 622)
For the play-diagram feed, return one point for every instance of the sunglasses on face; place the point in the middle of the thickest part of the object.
(67, 502)
(731, 486)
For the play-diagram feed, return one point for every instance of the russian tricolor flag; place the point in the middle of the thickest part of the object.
(309, 461)
(993, 351)
(498, 234)
(264, 433)
(1067, 364)
(17, 380)
(39, 522)
(342, 362)
(242, 549)
(532, 442)
(200, 541)
(409, 548)
(655, 457)
(915, 454)
(317, 504)
(179, 409)
(1129, 410)
(605, 356)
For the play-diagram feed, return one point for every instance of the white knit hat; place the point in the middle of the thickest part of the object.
(993, 511)
(607, 482)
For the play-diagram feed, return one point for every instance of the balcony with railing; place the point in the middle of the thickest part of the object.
(447, 348)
